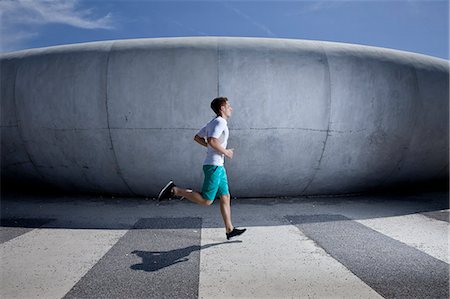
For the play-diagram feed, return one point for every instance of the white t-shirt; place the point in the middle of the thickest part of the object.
(216, 128)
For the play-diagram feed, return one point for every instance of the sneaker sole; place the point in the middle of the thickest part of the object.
(164, 189)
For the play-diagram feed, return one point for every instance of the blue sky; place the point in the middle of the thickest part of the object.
(410, 25)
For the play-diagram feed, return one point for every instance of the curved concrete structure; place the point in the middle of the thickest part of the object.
(309, 117)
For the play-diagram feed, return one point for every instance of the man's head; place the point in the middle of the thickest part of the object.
(221, 107)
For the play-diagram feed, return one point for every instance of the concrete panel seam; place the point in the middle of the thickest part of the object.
(195, 129)
(20, 128)
(293, 129)
(118, 171)
(156, 129)
(328, 125)
(70, 129)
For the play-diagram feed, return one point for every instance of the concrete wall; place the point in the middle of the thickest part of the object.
(309, 117)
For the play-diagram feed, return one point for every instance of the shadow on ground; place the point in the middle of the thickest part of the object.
(157, 260)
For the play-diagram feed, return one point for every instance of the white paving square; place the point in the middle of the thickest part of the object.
(274, 262)
(46, 263)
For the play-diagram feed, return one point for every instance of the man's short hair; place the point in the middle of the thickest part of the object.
(217, 103)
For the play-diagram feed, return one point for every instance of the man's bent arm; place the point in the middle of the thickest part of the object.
(215, 144)
(200, 140)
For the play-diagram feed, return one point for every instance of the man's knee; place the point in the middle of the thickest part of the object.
(208, 202)
(225, 197)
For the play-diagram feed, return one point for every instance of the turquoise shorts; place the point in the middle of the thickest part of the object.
(215, 183)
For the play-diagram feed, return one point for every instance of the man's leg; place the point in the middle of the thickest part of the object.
(209, 189)
(225, 209)
(192, 196)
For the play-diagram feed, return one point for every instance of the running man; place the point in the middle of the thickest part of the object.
(214, 136)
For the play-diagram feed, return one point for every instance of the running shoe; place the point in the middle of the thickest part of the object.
(166, 192)
(235, 232)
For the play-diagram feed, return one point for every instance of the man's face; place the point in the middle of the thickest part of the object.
(226, 110)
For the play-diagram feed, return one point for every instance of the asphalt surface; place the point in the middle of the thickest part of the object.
(79, 246)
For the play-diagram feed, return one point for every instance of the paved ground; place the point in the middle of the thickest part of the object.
(387, 246)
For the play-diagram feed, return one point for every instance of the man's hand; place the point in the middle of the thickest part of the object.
(229, 153)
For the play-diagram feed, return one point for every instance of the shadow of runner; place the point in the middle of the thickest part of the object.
(157, 260)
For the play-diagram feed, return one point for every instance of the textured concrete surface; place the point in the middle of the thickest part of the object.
(309, 117)
(346, 247)
(155, 259)
(13, 228)
(368, 254)
(47, 262)
(404, 229)
(275, 261)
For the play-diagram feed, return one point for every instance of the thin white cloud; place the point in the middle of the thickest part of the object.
(20, 19)
(316, 6)
(250, 19)
(53, 11)
(11, 42)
